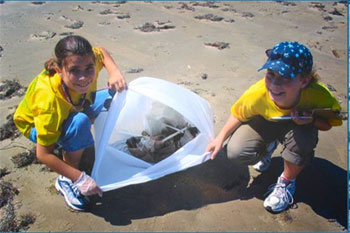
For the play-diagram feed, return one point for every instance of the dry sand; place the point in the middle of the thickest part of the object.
(215, 196)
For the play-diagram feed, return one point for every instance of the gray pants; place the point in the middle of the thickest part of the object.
(249, 142)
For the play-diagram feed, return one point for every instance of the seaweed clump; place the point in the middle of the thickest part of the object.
(25, 158)
(9, 221)
(10, 88)
(9, 129)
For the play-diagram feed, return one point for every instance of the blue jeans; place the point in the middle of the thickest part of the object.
(76, 131)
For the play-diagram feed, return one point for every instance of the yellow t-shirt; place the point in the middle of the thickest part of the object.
(256, 101)
(45, 106)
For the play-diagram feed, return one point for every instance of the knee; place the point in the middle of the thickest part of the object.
(234, 151)
(81, 121)
(78, 122)
(301, 142)
(242, 155)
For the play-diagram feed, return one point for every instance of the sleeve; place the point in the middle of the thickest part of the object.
(248, 104)
(99, 58)
(242, 109)
(47, 118)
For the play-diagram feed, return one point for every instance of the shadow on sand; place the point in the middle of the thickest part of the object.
(186, 190)
(322, 185)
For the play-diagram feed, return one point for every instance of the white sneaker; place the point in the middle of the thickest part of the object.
(71, 194)
(265, 162)
(281, 196)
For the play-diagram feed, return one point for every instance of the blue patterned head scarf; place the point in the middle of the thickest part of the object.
(289, 59)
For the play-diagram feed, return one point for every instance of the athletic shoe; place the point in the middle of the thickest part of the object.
(265, 162)
(71, 194)
(281, 196)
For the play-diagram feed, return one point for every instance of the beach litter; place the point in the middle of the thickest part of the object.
(155, 148)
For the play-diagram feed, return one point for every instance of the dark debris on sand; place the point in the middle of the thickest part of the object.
(150, 27)
(7, 192)
(46, 35)
(219, 45)
(318, 6)
(229, 10)
(287, 3)
(10, 88)
(38, 3)
(134, 70)
(209, 17)
(336, 12)
(66, 34)
(185, 6)
(8, 221)
(25, 158)
(75, 25)
(1, 50)
(205, 4)
(328, 18)
(107, 12)
(125, 16)
(4, 172)
(247, 15)
(9, 129)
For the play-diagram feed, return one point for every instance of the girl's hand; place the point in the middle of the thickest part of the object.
(117, 82)
(214, 147)
(87, 186)
(305, 118)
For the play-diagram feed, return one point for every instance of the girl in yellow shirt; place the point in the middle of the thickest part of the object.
(289, 88)
(59, 107)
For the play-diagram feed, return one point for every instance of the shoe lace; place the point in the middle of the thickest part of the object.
(76, 190)
(280, 190)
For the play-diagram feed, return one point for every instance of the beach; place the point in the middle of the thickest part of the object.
(213, 49)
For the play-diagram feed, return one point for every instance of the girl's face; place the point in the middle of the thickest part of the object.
(78, 72)
(284, 92)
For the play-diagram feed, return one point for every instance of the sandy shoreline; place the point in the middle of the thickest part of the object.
(213, 49)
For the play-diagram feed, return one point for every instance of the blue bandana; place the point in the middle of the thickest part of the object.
(289, 59)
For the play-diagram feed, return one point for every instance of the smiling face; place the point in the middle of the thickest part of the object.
(284, 92)
(78, 72)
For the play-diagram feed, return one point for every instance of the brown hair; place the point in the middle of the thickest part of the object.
(313, 74)
(68, 46)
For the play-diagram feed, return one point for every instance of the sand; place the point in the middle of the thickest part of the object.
(213, 49)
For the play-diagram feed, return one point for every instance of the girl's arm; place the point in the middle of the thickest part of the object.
(45, 155)
(116, 79)
(230, 126)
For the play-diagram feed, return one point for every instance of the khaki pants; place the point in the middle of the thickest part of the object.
(249, 142)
